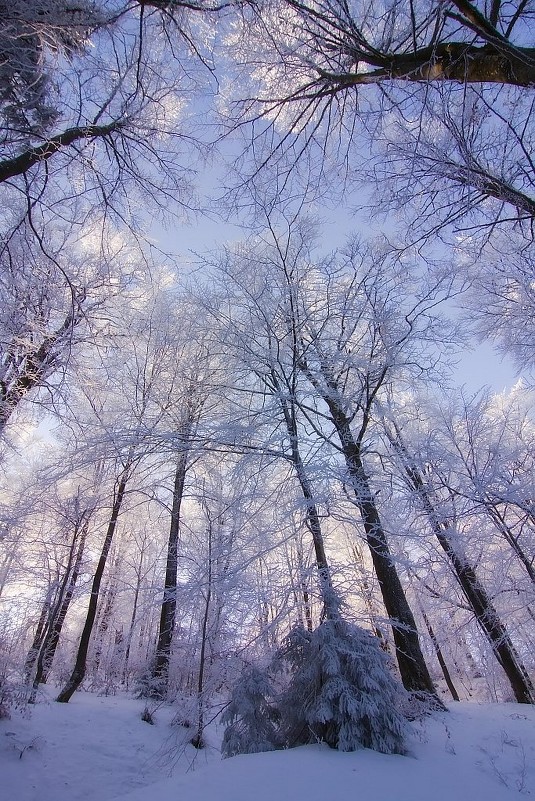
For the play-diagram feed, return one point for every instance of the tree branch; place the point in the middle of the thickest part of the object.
(20, 164)
(455, 61)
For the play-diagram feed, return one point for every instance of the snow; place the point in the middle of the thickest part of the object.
(98, 748)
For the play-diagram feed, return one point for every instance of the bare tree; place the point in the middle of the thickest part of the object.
(48, 312)
(58, 612)
(439, 94)
(31, 36)
(79, 670)
(271, 358)
(336, 324)
(160, 668)
(500, 303)
(92, 101)
(53, 98)
(474, 591)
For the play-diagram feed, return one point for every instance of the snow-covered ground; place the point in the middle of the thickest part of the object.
(99, 749)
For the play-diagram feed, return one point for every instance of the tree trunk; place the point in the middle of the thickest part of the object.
(51, 641)
(78, 673)
(197, 740)
(306, 603)
(440, 657)
(500, 523)
(328, 596)
(9, 558)
(412, 667)
(368, 596)
(104, 622)
(30, 369)
(40, 633)
(130, 635)
(160, 671)
(476, 595)
(490, 623)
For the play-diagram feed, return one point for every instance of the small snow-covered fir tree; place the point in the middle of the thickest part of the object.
(341, 690)
(337, 689)
(252, 717)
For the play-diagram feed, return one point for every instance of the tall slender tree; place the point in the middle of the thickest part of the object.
(341, 328)
(78, 673)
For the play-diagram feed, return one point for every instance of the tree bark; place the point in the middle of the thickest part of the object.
(500, 523)
(412, 667)
(133, 617)
(447, 61)
(368, 596)
(9, 558)
(104, 622)
(328, 596)
(440, 657)
(168, 612)
(20, 164)
(197, 740)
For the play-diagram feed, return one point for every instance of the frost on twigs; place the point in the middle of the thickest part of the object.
(336, 688)
(419, 705)
(13, 695)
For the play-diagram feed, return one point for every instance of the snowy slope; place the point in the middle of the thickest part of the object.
(98, 749)
(473, 754)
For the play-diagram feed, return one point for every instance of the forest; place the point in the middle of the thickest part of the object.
(251, 252)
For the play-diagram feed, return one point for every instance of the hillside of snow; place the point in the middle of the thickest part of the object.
(99, 749)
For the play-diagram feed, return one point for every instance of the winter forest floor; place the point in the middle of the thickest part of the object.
(98, 749)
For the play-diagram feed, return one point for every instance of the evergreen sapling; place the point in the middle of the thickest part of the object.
(337, 688)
